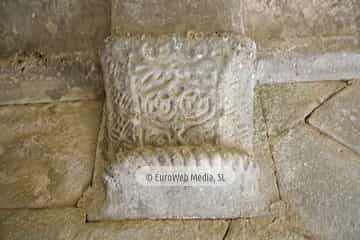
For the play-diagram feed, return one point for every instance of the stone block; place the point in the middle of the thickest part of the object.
(279, 19)
(163, 16)
(286, 105)
(261, 228)
(309, 45)
(61, 224)
(340, 117)
(164, 94)
(319, 178)
(39, 78)
(52, 26)
(175, 90)
(47, 153)
(149, 230)
(69, 223)
(300, 66)
(40, 224)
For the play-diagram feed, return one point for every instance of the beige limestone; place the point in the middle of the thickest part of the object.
(265, 228)
(54, 224)
(47, 153)
(49, 78)
(64, 224)
(149, 230)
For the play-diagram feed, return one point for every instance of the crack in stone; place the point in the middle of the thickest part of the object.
(227, 230)
(52, 103)
(92, 179)
(295, 124)
(334, 94)
(277, 181)
(93, 169)
(328, 135)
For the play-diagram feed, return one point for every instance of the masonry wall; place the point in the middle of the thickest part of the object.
(51, 98)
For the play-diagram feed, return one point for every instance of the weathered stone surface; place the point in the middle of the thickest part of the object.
(47, 153)
(296, 18)
(175, 90)
(340, 117)
(265, 228)
(163, 16)
(48, 78)
(69, 223)
(262, 153)
(127, 198)
(251, 235)
(171, 92)
(46, 163)
(52, 26)
(308, 45)
(285, 105)
(64, 224)
(149, 230)
(319, 178)
(261, 20)
(40, 224)
(301, 67)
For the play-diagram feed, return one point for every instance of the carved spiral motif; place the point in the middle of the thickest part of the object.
(195, 105)
(160, 107)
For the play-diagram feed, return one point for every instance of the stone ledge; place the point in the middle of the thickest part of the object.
(283, 68)
(77, 76)
(268, 48)
(39, 78)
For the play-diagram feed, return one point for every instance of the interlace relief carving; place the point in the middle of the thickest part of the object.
(174, 91)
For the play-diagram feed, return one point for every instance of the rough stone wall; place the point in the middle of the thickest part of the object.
(306, 113)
